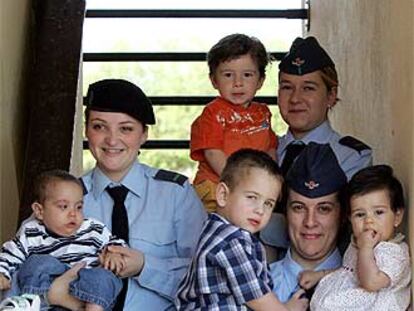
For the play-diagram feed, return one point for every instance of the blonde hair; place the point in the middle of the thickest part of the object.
(329, 77)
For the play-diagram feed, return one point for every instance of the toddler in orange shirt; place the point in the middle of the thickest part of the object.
(232, 121)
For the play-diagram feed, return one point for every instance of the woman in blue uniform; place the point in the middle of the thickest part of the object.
(156, 211)
(314, 211)
(308, 86)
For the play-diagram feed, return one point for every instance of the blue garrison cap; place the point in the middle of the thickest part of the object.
(316, 172)
(116, 95)
(305, 56)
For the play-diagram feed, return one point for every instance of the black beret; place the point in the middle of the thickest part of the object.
(115, 95)
(316, 172)
(305, 56)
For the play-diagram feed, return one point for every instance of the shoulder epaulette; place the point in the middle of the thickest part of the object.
(171, 177)
(353, 143)
(85, 191)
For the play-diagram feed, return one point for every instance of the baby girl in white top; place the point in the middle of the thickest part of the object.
(376, 271)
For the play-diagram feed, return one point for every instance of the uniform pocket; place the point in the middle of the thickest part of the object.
(154, 237)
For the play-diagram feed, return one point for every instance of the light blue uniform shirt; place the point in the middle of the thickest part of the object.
(285, 273)
(350, 159)
(165, 222)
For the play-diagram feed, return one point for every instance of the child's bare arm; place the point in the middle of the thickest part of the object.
(216, 159)
(4, 282)
(309, 278)
(370, 277)
(269, 302)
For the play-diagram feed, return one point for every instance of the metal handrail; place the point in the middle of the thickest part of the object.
(155, 57)
(199, 100)
(111, 13)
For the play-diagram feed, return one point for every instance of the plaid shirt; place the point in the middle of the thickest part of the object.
(228, 270)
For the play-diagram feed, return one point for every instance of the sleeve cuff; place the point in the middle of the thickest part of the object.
(155, 278)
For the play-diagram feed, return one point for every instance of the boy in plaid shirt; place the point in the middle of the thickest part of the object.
(229, 270)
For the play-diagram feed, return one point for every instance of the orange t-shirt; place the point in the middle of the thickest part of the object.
(229, 127)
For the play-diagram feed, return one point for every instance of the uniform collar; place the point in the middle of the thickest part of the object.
(292, 269)
(289, 271)
(333, 261)
(320, 135)
(131, 180)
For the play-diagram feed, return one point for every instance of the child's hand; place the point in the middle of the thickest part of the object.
(134, 260)
(296, 303)
(112, 261)
(368, 239)
(4, 282)
(309, 278)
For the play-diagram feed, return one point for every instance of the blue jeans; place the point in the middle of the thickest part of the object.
(94, 285)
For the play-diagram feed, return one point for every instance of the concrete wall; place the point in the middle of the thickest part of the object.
(14, 19)
(372, 43)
